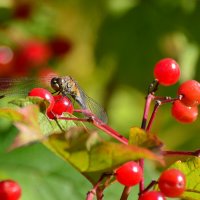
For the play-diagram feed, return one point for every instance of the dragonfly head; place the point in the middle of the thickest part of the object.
(55, 84)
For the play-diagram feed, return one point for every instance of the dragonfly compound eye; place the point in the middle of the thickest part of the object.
(54, 84)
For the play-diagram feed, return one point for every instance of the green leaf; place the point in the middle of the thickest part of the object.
(91, 155)
(83, 149)
(42, 175)
(191, 169)
(32, 122)
(145, 139)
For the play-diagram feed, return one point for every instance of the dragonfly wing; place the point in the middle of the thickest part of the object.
(96, 109)
(19, 86)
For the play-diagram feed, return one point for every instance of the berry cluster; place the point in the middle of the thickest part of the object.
(58, 104)
(9, 190)
(185, 108)
(31, 56)
(171, 183)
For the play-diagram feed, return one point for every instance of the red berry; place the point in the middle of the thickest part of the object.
(60, 46)
(6, 54)
(6, 60)
(9, 190)
(35, 53)
(46, 74)
(129, 174)
(152, 195)
(42, 93)
(22, 10)
(62, 104)
(20, 66)
(172, 183)
(183, 113)
(191, 92)
(50, 114)
(167, 71)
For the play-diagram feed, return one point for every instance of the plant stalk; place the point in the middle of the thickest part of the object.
(100, 125)
(125, 193)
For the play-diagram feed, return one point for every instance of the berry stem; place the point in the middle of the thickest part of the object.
(148, 101)
(141, 185)
(73, 118)
(152, 183)
(149, 98)
(159, 101)
(99, 194)
(111, 132)
(100, 125)
(153, 115)
(96, 189)
(182, 153)
(125, 193)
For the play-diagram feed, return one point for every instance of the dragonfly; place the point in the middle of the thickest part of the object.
(64, 85)
(67, 86)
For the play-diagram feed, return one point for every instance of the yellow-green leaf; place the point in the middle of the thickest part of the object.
(92, 156)
(191, 169)
(145, 139)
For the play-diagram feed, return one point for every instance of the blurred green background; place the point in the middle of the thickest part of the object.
(110, 47)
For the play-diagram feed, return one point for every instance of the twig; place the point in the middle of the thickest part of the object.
(125, 193)
(182, 153)
(148, 187)
(100, 125)
(149, 99)
(157, 105)
(160, 101)
(96, 189)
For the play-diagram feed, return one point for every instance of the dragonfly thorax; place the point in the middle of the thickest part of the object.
(65, 85)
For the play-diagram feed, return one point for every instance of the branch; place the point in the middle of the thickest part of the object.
(100, 125)
(182, 153)
(125, 193)
(96, 190)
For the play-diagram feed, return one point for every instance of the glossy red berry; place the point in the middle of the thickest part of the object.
(9, 190)
(129, 174)
(50, 114)
(172, 183)
(191, 92)
(42, 93)
(183, 113)
(62, 104)
(167, 71)
(152, 195)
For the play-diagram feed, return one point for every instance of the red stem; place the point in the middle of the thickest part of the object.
(148, 187)
(96, 189)
(125, 193)
(100, 125)
(182, 153)
(126, 190)
(159, 101)
(111, 132)
(153, 115)
(149, 98)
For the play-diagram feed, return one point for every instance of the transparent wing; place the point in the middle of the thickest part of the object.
(94, 107)
(21, 86)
